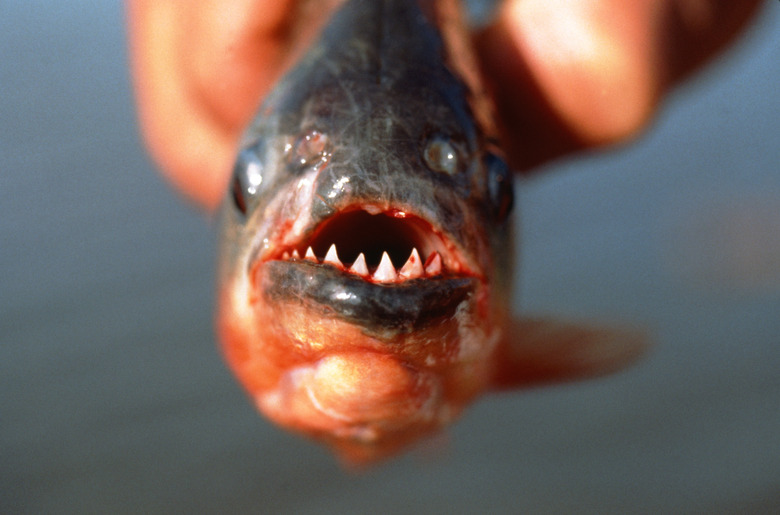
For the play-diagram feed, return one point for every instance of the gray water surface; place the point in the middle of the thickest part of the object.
(114, 398)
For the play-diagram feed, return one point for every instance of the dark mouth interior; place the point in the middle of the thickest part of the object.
(358, 231)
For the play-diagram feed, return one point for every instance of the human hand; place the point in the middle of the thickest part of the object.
(565, 75)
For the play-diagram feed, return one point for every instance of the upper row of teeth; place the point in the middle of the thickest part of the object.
(385, 272)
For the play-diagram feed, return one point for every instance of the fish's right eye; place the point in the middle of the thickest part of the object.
(499, 187)
(247, 179)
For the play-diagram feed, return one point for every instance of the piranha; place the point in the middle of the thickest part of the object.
(366, 239)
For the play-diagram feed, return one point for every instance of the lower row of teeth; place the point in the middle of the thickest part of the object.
(385, 272)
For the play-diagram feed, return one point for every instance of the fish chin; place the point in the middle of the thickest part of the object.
(364, 397)
(364, 392)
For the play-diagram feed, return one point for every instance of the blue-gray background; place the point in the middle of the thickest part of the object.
(114, 398)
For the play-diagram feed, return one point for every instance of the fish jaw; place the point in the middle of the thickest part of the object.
(365, 393)
(336, 339)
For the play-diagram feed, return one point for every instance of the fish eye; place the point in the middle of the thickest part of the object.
(500, 189)
(310, 149)
(441, 156)
(238, 195)
(247, 177)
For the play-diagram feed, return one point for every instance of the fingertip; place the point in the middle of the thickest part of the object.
(202, 176)
(192, 145)
(233, 52)
(593, 63)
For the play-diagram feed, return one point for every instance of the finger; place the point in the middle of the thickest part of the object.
(239, 49)
(183, 138)
(541, 351)
(200, 71)
(569, 75)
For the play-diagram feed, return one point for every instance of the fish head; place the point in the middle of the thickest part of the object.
(366, 240)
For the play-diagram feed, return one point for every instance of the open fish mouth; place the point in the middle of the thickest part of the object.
(378, 246)
(388, 272)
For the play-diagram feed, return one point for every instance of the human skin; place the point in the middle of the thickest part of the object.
(565, 75)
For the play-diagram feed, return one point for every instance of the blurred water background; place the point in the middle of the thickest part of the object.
(114, 398)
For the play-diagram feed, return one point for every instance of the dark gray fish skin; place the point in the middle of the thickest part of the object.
(374, 92)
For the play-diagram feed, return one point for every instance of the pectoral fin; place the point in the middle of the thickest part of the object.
(538, 351)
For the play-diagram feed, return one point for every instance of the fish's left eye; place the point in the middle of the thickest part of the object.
(441, 155)
(247, 178)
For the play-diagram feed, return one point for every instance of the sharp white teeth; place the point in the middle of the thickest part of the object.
(332, 257)
(359, 266)
(286, 255)
(433, 264)
(413, 267)
(385, 272)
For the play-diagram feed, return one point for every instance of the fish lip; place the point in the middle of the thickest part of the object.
(370, 229)
(382, 310)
